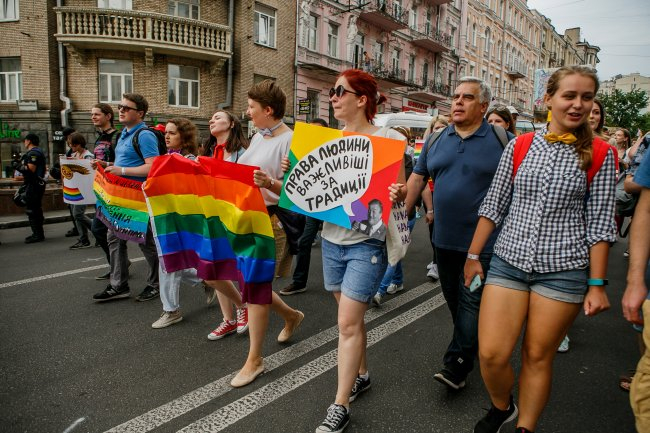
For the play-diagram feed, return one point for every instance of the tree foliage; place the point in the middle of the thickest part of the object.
(623, 109)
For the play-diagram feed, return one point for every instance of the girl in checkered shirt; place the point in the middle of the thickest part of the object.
(551, 255)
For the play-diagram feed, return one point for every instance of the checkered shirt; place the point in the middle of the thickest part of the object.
(549, 218)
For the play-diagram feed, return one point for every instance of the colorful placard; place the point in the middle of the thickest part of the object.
(342, 177)
(78, 176)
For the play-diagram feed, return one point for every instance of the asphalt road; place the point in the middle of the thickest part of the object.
(68, 364)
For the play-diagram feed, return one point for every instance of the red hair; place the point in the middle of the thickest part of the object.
(365, 85)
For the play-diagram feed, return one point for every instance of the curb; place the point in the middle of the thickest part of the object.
(48, 220)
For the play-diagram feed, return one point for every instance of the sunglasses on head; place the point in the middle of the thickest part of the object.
(126, 108)
(339, 91)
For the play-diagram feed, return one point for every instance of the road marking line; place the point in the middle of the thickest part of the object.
(250, 403)
(74, 424)
(59, 274)
(200, 396)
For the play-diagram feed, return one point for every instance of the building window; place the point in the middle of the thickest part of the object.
(11, 79)
(115, 4)
(379, 55)
(333, 121)
(474, 34)
(9, 10)
(425, 73)
(314, 104)
(184, 8)
(452, 37)
(427, 22)
(412, 68)
(413, 18)
(312, 32)
(183, 86)
(395, 61)
(264, 25)
(332, 40)
(115, 79)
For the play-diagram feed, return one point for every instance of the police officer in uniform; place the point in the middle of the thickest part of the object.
(32, 167)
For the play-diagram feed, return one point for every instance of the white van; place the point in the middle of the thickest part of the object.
(416, 122)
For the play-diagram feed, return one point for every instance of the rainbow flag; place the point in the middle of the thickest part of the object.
(72, 194)
(418, 148)
(121, 205)
(209, 215)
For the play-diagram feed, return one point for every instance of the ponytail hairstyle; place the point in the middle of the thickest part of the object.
(236, 138)
(365, 85)
(583, 132)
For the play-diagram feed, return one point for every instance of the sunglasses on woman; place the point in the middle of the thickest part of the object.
(339, 91)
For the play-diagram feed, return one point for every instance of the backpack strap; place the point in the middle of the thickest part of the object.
(136, 144)
(433, 138)
(521, 149)
(500, 132)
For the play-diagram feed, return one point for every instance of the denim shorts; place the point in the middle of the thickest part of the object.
(565, 286)
(354, 270)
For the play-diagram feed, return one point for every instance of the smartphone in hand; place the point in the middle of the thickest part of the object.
(475, 284)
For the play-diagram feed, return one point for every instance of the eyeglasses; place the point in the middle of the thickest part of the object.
(339, 91)
(126, 108)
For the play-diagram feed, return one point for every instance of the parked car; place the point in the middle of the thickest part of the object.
(523, 126)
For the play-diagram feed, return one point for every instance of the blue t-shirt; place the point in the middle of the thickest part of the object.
(462, 170)
(126, 156)
(642, 174)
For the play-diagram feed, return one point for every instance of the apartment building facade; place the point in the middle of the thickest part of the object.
(184, 56)
(409, 46)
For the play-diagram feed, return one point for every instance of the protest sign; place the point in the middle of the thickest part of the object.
(121, 205)
(342, 177)
(78, 176)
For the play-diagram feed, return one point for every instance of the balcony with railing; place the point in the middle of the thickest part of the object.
(429, 38)
(321, 65)
(439, 2)
(431, 91)
(95, 28)
(385, 14)
(392, 77)
(516, 69)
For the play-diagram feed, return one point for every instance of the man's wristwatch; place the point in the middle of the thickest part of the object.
(472, 256)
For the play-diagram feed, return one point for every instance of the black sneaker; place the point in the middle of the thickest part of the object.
(292, 289)
(71, 233)
(148, 294)
(496, 418)
(33, 239)
(79, 245)
(110, 293)
(336, 420)
(360, 385)
(449, 378)
(105, 276)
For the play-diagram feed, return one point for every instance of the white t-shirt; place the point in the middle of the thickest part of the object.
(340, 235)
(267, 153)
(86, 154)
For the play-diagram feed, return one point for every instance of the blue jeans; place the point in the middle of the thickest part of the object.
(464, 306)
(303, 258)
(394, 274)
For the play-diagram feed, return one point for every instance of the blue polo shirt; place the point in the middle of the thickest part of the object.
(126, 156)
(642, 174)
(462, 170)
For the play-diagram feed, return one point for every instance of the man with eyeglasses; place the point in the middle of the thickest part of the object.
(129, 164)
(462, 162)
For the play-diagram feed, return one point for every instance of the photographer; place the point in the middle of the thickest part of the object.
(32, 168)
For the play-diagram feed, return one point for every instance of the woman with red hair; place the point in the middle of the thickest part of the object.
(354, 261)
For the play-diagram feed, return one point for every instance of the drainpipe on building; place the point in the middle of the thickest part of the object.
(63, 81)
(295, 66)
(231, 24)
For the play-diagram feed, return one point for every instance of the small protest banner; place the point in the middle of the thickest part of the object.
(342, 177)
(78, 176)
(121, 205)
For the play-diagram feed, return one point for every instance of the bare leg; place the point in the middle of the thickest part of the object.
(501, 318)
(352, 345)
(226, 306)
(258, 321)
(291, 316)
(548, 323)
(363, 366)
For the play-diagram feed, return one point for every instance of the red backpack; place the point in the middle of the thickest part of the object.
(600, 149)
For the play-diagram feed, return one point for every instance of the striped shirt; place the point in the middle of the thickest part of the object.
(549, 218)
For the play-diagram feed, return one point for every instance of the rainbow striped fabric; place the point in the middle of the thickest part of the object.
(72, 194)
(209, 215)
(121, 205)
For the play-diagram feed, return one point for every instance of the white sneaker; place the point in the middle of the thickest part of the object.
(167, 318)
(430, 265)
(394, 288)
(376, 300)
(433, 272)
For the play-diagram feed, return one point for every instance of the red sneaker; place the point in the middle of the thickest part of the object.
(224, 328)
(242, 320)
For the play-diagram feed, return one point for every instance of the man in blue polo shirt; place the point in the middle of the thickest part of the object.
(637, 298)
(129, 164)
(461, 163)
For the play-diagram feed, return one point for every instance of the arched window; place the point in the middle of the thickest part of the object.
(499, 51)
(487, 42)
(474, 34)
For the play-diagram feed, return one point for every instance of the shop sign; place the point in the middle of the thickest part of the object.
(304, 106)
(411, 105)
(7, 132)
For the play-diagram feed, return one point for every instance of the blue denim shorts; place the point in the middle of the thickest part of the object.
(354, 270)
(565, 286)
